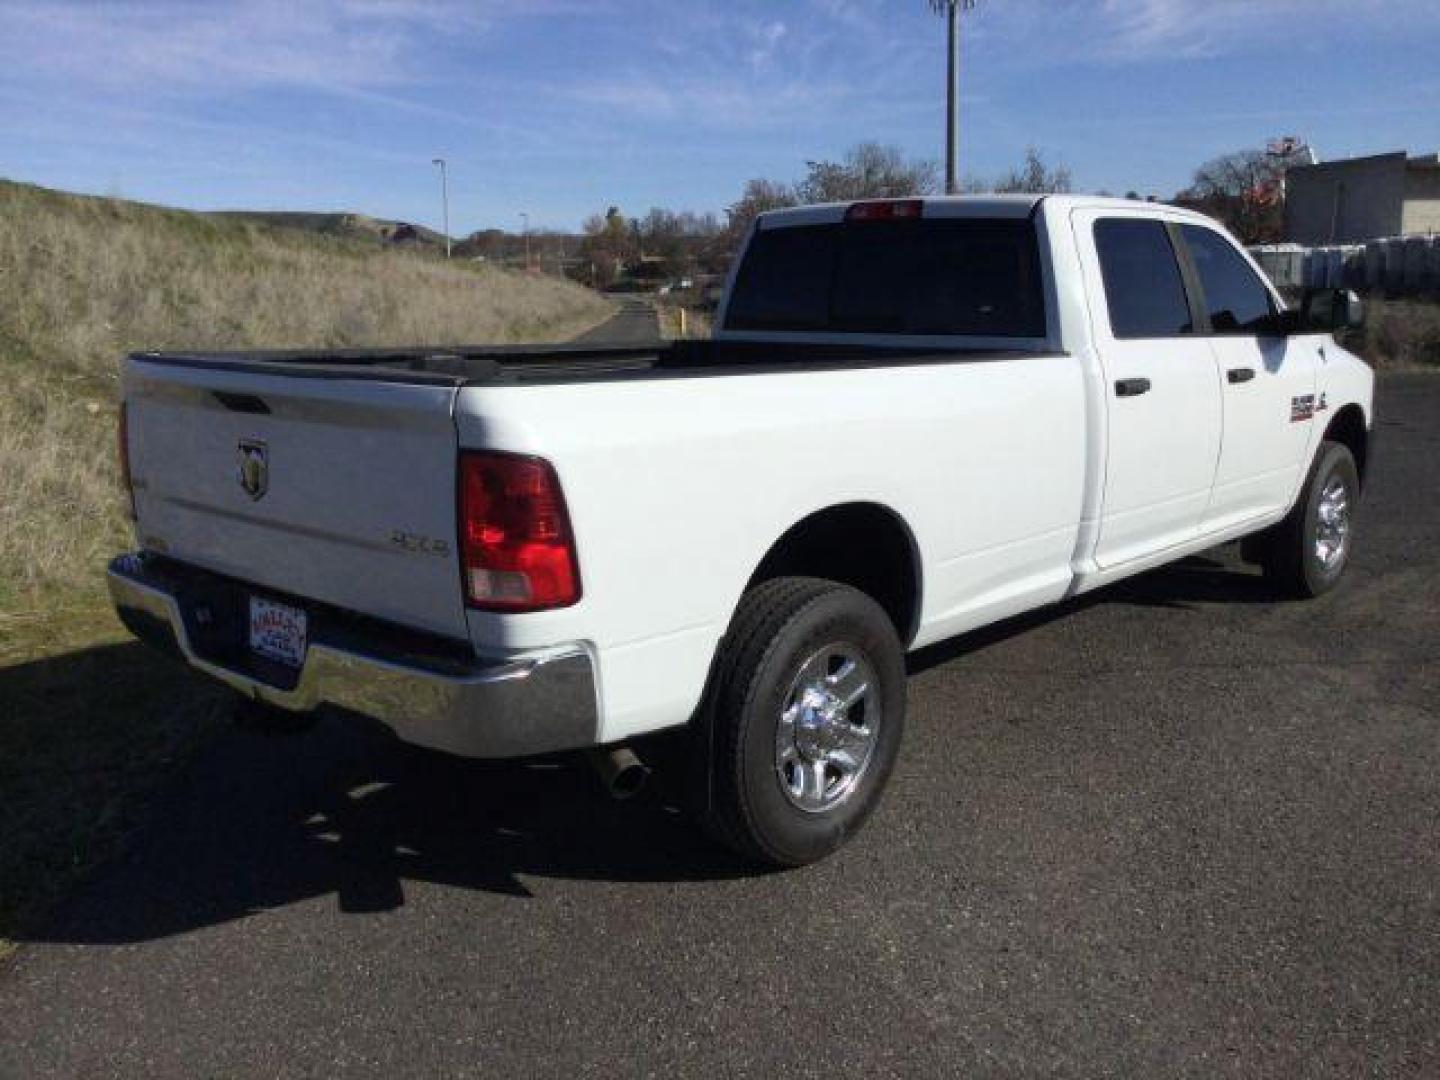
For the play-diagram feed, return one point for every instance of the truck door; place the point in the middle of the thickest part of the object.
(1161, 389)
(1266, 380)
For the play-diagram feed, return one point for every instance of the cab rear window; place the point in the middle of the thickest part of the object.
(943, 276)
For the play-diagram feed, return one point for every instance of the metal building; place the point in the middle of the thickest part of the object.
(1360, 199)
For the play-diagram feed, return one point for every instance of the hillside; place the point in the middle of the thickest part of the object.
(84, 280)
(344, 225)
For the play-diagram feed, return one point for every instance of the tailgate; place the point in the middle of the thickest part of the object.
(332, 489)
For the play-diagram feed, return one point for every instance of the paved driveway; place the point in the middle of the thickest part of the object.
(634, 323)
(1175, 829)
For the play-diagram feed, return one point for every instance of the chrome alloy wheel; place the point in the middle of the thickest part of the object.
(827, 730)
(1332, 523)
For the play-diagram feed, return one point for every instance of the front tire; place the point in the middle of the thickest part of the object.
(802, 722)
(1306, 554)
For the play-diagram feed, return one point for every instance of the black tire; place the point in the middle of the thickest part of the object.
(1289, 552)
(251, 715)
(780, 625)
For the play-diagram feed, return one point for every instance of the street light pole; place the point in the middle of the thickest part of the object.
(444, 201)
(525, 221)
(951, 10)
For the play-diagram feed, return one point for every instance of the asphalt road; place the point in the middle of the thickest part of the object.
(634, 324)
(1174, 830)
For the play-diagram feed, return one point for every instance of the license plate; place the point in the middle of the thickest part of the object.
(277, 631)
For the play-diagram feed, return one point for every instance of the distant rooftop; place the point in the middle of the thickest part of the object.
(1422, 161)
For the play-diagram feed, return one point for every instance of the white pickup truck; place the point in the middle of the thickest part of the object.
(916, 417)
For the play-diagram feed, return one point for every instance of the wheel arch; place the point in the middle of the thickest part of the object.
(865, 545)
(1349, 428)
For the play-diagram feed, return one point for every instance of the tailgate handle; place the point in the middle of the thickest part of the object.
(246, 403)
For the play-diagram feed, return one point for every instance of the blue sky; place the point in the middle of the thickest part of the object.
(560, 108)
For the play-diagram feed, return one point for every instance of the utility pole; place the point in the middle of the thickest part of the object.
(525, 221)
(444, 201)
(951, 9)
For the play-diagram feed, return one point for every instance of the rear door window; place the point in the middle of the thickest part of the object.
(941, 277)
(1143, 286)
(1237, 300)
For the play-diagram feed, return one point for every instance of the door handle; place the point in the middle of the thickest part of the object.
(1131, 387)
(1240, 374)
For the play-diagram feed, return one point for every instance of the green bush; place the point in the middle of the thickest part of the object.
(1399, 333)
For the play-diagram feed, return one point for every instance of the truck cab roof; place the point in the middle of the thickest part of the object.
(959, 206)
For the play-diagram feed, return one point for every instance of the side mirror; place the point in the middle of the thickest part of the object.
(1331, 311)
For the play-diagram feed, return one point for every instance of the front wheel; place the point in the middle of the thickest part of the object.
(1306, 554)
(802, 723)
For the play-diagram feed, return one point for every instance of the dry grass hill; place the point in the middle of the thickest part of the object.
(344, 225)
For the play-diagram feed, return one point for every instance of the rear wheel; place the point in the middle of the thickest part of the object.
(1307, 553)
(803, 720)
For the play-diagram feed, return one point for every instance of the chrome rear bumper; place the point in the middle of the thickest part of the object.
(450, 700)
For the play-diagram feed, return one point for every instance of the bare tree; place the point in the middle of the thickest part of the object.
(759, 196)
(606, 245)
(1245, 190)
(1032, 176)
(1035, 176)
(678, 243)
(869, 170)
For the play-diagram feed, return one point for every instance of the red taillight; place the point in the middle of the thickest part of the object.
(886, 210)
(122, 438)
(516, 548)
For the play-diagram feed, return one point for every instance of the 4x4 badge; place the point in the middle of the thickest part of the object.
(254, 470)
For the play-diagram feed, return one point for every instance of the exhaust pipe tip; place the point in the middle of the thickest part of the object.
(623, 774)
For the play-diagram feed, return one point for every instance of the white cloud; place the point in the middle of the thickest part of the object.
(708, 64)
(767, 37)
(337, 45)
(221, 45)
(1119, 31)
(702, 100)
(1144, 30)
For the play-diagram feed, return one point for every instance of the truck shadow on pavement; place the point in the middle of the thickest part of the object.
(256, 822)
(1212, 578)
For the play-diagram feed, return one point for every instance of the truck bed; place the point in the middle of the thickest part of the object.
(503, 365)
